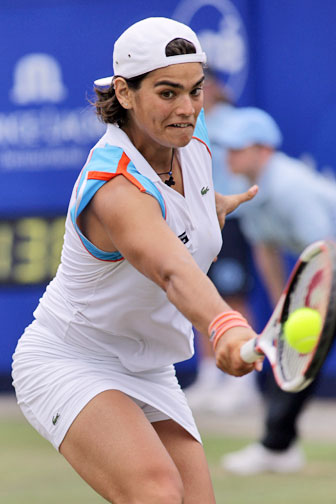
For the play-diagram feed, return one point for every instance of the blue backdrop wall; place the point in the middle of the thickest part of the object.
(276, 55)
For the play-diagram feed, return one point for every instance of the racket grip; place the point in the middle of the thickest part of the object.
(248, 351)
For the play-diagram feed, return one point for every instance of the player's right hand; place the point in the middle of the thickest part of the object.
(227, 352)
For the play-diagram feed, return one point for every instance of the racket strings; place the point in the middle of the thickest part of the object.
(311, 288)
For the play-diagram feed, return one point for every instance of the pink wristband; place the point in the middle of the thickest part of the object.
(221, 319)
(226, 328)
(223, 322)
(223, 316)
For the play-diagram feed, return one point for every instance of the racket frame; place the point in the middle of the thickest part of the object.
(266, 343)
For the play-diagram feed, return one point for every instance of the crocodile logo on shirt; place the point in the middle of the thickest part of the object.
(204, 190)
(55, 418)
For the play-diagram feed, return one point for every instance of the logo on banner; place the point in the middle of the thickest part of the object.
(44, 130)
(38, 79)
(222, 34)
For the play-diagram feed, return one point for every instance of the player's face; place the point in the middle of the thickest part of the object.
(165, 108)
(245, 161)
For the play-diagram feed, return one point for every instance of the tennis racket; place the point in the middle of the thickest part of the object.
(312, 283)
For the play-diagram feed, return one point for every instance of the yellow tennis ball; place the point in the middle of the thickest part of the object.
(302, 329)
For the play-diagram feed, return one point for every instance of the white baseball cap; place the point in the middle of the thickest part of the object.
(142, 48)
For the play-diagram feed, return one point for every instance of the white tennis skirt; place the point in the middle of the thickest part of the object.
(54, 380)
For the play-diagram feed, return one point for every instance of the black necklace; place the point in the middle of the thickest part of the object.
(171, 180)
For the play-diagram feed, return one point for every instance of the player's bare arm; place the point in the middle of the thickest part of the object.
(133, 224)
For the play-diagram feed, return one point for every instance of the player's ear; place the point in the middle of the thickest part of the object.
(122, 92)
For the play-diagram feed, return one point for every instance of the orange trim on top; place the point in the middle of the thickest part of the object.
(121, 170)
(196, 138)
(97, 175)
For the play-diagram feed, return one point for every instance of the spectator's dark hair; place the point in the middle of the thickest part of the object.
(108, 108)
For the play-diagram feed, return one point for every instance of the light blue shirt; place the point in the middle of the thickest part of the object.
(224, 182)
(295, 206)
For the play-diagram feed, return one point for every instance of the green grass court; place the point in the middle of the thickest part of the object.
(32, 472)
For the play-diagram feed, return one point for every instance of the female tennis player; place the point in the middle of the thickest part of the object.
(94, 371)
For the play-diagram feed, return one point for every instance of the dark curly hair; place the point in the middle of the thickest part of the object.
(108, 108)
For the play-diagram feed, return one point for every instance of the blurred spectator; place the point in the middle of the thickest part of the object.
(295, 206)
(230, 272)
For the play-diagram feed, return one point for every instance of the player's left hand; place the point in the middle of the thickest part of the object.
(227, 204)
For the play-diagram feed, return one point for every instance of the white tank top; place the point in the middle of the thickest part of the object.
(98, 301)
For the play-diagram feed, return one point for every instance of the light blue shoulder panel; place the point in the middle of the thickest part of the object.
(201, 131)
(105, 160)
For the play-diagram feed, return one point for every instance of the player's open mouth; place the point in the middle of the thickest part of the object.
(181, 125)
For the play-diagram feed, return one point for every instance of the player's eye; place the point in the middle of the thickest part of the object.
(168, 93)
(197, 91)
